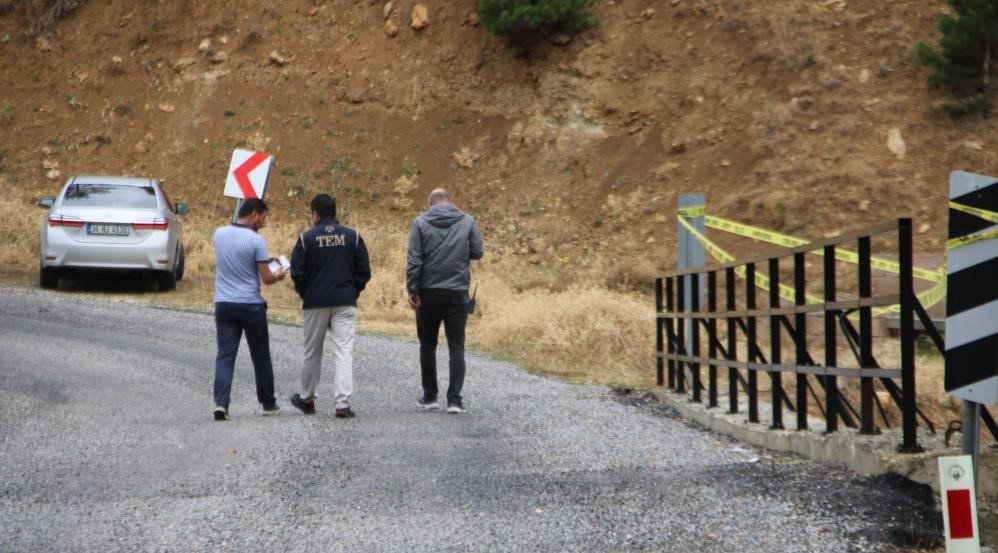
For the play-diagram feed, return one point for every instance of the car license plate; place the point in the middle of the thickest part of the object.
(107, 229)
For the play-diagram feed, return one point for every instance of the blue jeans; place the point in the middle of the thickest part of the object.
(231, 320)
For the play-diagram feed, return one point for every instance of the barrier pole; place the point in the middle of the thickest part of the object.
(971, 431)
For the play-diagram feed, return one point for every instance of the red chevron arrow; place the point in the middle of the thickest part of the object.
(242, 173)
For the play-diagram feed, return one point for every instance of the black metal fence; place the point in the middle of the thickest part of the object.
(723, 336)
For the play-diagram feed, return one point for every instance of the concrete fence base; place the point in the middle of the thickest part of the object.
(864, 454)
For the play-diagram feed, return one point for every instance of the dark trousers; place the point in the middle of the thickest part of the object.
(452, 311)
(231, 320)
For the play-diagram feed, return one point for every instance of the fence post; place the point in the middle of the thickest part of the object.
(659, 342)
(775, 346)
(712, 338)
(750, 337)
(670, 329)
(800, 325)
(831, 344)
(681, 341)
(907, 285)
(729, 284)
(694, 339)
(867, 423)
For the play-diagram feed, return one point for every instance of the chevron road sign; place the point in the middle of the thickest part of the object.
(972, 289)
(248, 174)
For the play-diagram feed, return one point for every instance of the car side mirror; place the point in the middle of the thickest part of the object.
(46, 203)
(182, 208)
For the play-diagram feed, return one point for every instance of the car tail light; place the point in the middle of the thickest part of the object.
(65, 221)
(151, 224)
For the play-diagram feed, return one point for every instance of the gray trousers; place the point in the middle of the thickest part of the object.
(341, 322)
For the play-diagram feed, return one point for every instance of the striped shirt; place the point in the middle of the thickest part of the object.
(238, 249)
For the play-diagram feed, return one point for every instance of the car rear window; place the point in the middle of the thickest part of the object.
(109, 195)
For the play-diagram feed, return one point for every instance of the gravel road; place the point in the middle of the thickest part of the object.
(107, 444)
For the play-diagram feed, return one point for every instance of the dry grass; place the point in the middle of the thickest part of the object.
(19, 231)
(585, 333)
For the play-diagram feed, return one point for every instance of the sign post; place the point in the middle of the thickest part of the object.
(957, 490)
(248, 176)
(691, 253)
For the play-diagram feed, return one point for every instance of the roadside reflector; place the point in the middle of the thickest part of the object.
(961, 524)
(956, 488)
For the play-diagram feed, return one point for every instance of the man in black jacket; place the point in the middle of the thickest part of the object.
(330, 268)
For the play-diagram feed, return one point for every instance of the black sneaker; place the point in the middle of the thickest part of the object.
(221, 413)
(271, 410)
(344, 413)
(455, 407)
(428, 403)
(307, 407)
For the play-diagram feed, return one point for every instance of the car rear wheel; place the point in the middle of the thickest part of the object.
(48, 277)
(167, 281)
(180, 264)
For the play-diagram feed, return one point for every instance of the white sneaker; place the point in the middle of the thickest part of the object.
(428, 404)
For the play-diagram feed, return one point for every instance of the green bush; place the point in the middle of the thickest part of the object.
(963, 62)
(977, 104)
(533, 17)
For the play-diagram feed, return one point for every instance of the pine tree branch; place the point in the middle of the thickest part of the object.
(986, 70)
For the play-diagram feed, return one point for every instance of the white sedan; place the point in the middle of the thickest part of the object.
(112, 223)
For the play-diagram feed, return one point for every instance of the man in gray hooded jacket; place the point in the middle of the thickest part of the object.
(442, 242)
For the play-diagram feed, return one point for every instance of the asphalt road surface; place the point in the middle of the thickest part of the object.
(107, 444)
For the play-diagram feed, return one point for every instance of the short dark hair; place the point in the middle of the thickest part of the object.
(252, 205)
(324, 205)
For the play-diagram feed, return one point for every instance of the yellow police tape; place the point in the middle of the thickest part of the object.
(976, 211)
(966, 240)
(772, 237)
(762, 281)
(927, 298)
(954, 243)
(846, 255)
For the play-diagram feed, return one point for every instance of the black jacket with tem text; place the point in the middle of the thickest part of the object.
(329, 265)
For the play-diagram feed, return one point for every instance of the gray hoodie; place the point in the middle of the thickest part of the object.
(442, 242)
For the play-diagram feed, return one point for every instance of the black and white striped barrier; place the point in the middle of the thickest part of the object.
(972, 289)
